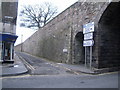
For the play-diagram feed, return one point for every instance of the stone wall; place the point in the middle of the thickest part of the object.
(61, 39)
(109, 27)
(59, 34)
(18, 47)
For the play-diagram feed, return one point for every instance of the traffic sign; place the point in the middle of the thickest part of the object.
(88, 43)
(88, 36)
(87, 28)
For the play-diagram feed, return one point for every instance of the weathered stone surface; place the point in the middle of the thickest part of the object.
(61, 39)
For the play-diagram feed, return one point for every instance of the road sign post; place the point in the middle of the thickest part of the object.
(85, 58)
(88, 36)
(88, 30)
(88, 43)
(90, 57)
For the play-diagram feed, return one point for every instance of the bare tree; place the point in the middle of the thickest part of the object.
(37, 15)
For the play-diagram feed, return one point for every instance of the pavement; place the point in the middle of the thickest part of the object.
(17, 68)
(76, 68)
(42, 66)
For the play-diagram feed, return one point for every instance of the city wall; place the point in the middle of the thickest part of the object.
(61, 40)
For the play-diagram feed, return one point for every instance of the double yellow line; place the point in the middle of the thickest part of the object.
(19, 76)
(26, 63)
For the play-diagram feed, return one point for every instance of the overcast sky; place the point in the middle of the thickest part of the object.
(61, 5)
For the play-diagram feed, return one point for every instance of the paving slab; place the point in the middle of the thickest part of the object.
(16, 68)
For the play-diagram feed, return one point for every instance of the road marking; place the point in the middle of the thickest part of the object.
(65, 68)
(31, 67)
(20, 76)
(107, 73)
(77, 73)
(58, 65)
(28, 65)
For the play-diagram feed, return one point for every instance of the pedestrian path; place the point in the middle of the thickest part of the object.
(78, 69)
(13, 69)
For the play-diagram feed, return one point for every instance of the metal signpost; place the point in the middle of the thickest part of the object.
(88, 36)
(88, 30)
(88, 43)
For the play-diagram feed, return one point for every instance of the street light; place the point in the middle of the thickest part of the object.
(21, 41)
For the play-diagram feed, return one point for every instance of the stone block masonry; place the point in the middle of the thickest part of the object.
(61, 40)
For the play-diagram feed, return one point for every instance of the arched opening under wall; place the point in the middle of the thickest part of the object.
(109, 26)
(79, 49)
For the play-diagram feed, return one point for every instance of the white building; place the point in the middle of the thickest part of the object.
(8, 16)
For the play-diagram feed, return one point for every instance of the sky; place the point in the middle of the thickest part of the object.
(24, 33)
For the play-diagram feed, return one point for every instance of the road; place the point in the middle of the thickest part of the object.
(40, 66)
(45, 75)
(62, 81)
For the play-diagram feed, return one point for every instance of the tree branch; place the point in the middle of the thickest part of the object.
(38, 15)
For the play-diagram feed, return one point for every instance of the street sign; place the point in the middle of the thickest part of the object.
(88, 43)
(87, 28)
(88, 36)
(65, 50)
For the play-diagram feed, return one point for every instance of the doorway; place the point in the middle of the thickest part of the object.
(79, 49)
(7, 51)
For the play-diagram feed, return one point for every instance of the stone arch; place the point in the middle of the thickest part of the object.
(78, 49)
(109, 36)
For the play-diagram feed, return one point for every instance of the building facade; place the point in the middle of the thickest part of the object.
(8, 16)
(62, 38)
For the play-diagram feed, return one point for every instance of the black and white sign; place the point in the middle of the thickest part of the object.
(87, 28)
(88, 36)
(88, 43)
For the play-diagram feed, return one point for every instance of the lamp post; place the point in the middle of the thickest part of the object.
(21, 42)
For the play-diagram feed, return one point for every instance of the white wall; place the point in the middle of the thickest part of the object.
(7, 28)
